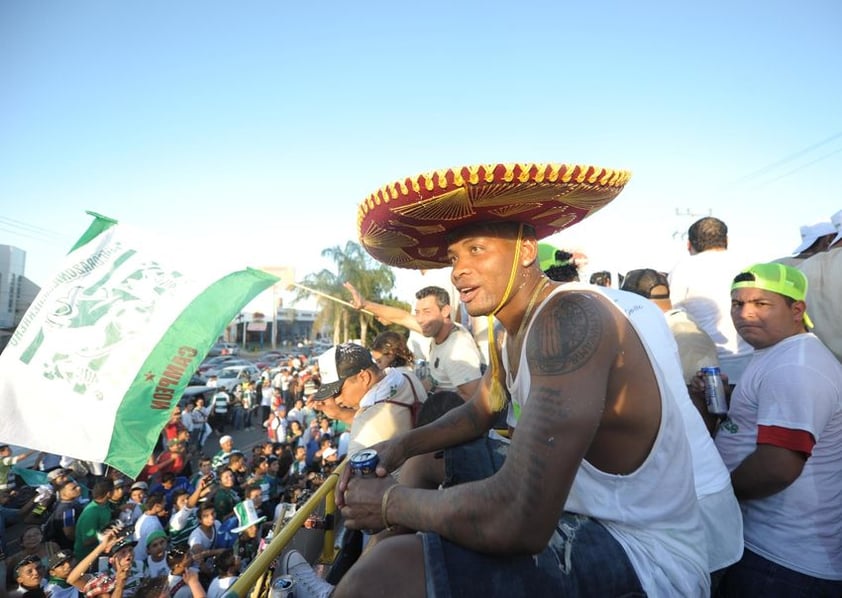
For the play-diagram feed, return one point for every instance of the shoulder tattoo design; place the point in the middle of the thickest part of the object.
(566, 336)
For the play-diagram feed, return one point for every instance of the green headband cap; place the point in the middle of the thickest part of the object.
(777, 278)
(546, 257)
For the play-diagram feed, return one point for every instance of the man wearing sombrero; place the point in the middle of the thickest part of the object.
(594, 495)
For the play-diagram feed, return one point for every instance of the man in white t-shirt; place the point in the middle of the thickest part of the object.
(154, 508)
(455, 361)
(700, 285)
(782, 443)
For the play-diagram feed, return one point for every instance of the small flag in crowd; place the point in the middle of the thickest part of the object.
(101, 357)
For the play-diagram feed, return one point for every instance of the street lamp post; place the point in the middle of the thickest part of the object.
(241, 319)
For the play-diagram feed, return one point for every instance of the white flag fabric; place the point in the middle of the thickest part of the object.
(99, 360)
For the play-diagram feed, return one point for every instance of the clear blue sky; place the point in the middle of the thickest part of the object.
(259, 126)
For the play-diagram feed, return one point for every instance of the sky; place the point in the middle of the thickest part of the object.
(255, 129)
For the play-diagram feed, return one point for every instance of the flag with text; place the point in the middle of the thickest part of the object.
(101, 357)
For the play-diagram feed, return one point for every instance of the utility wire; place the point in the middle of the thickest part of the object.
(32, 231)
(800, 168)
(789, 158)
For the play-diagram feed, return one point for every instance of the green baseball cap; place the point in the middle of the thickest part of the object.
(777, 278)
(546, 256)
(547, 259)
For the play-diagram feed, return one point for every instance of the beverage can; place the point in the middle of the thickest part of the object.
(714, 391)
(364, 463)
(283, 587)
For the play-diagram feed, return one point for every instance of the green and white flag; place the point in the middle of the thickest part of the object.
(101, 357)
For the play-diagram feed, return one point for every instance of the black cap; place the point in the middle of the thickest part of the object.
(122, 543)
(62, 556)
(339, 363)
(642, 281)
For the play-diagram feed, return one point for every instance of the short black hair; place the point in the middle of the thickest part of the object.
(177, 553)
(601, 278)
(708, 233)
(156, 498)
(442, 296)
(643, 280)
(102, 488)
(564, 269)
(224, 561)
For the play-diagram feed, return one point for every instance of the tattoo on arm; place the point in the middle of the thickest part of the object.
(566, 336)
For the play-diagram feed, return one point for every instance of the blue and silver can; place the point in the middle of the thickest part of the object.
(283, 587)
(364, 463)
(714, 391)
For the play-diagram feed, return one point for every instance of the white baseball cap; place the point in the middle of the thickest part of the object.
(836, 220)
(811, 233)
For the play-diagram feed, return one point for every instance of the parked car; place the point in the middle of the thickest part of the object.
(222, 348)
(231, 375)
(216, 369)
(214, 363)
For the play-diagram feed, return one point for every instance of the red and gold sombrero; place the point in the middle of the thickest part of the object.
(405, 223)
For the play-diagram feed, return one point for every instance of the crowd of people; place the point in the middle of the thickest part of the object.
(590, 404)
(660, 495)
(192, 516)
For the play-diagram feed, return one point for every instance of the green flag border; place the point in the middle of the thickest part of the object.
(142, 414)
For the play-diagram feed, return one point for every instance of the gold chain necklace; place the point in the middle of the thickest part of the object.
(530, 306)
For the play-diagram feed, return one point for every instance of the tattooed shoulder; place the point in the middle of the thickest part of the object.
(566, 334)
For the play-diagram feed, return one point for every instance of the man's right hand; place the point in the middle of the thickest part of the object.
(331, 409)
(391, 454)
(356, 299)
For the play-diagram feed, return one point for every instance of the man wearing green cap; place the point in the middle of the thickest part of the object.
(782, 442)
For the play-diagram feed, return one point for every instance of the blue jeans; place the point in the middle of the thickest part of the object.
(754, 575)
(581, 559)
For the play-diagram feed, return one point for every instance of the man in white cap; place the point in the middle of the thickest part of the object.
(220, 459)
(824, 275)
(815, 238)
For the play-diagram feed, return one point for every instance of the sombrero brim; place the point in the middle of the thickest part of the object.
(405, 224)
(243, 528)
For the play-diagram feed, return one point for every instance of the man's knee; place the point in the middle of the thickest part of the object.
(423, 471)
(392, 567)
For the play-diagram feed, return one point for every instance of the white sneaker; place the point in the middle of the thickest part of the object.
(307, 583)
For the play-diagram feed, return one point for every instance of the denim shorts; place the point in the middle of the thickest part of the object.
(754, 575)
(581, 559)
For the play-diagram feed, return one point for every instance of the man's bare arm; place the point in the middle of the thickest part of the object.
(467, 390)
(571, 350)
(385, 313)
(767, 471)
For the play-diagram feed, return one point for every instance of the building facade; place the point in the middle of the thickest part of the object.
(12, 265)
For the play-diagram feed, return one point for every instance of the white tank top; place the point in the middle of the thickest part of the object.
(653, 511)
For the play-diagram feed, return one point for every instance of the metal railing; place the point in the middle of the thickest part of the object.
(256, 580)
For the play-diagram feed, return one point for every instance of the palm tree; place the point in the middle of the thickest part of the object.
(329, 311)
(354, 265)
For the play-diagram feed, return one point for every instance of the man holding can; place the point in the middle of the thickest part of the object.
(782, 442)
(594, 494)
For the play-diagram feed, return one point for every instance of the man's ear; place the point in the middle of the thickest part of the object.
(528, 251)
(798, 310)
(446, 311)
